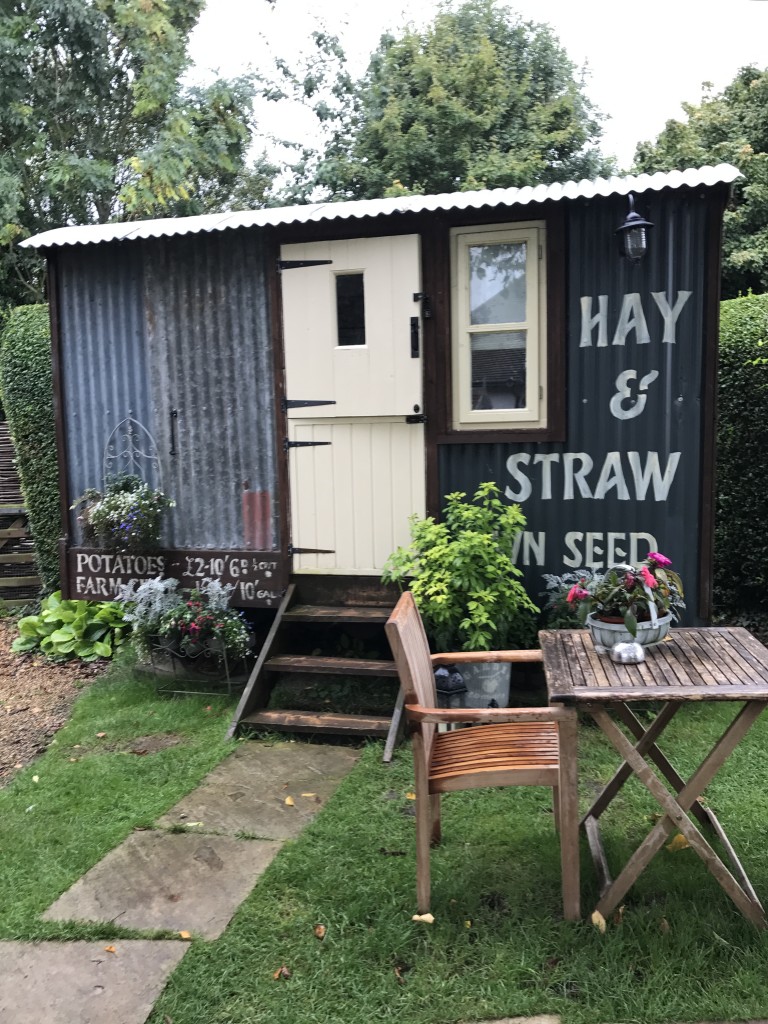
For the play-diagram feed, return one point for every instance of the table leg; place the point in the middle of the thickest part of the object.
(647, 742)
(676, 815)
(635, 726)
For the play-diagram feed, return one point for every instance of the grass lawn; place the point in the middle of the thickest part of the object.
(497, 948)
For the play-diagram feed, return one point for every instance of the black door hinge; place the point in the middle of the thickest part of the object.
(309, 551)
(287, 445)
(296, 264)
(305, 403)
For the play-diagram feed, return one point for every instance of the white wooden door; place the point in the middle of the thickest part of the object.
(352, 335)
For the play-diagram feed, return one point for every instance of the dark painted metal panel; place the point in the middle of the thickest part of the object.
(593, 522)
(212, 389)
(103, 360)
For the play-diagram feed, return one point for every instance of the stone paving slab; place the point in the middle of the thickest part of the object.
(246, 793)
(157, 880)
(81, 983)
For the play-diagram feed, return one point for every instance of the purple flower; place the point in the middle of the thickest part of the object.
(659, 559)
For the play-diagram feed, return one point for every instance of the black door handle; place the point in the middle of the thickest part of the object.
(414, 337)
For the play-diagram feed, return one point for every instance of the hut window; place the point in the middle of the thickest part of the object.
(350, 309)
(499, 361)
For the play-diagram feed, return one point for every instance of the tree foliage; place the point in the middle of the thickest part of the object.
(95, 124)
(478, 99)
(729, 127)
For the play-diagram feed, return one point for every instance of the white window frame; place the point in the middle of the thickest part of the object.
(533, 415)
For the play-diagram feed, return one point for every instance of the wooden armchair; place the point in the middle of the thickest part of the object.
(504, 747)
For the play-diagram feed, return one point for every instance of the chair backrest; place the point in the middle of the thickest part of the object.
(410, 648)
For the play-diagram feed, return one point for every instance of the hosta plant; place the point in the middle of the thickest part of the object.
(72, 629)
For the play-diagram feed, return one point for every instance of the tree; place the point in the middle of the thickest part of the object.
(95, 124)
(479, 99)
(730, 127)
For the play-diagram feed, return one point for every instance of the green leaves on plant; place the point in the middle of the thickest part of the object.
(72, 629)
(462, 576)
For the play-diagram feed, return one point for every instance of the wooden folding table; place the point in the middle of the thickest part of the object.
(720, 664)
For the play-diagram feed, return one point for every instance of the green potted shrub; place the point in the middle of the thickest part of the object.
(466, 586)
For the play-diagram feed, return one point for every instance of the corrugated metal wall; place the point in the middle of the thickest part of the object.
(566, 527)
(177, 325)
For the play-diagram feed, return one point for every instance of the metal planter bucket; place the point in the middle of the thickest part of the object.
(487, 684)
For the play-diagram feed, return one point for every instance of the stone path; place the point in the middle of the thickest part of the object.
(233, 826)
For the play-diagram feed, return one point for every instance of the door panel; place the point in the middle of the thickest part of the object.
(354, 495)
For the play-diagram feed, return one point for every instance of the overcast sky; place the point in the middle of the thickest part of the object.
(644, 58)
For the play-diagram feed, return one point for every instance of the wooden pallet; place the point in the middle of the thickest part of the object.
(312, 602)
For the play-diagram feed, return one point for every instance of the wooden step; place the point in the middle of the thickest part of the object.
(331, 666)
(339, 613)
(318, 722)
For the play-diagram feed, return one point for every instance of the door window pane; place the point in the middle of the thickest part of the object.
(498, 369)
(497, 283)
(350, 309)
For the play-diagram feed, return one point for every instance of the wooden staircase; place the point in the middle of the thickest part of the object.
(313, 614)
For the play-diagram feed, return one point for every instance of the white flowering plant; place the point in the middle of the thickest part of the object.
(186, 621)
(126, 516)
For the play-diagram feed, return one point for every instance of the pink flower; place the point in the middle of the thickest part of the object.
(577, 593)
(648, 578)
(659, 559)
(629, 581)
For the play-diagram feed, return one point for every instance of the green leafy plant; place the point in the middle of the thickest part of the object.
(72, 629)
(128, 516)
(462, 576)
(26, 379)
(632, 594)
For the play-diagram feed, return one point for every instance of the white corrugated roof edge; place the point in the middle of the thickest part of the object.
(356, 209)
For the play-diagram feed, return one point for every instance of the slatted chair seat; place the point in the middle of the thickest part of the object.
(502, 747)
(494, 755)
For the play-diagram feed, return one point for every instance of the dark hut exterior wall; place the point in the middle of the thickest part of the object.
(672, 420)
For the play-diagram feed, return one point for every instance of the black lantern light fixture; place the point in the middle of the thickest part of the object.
(633, 234)
(450, 686)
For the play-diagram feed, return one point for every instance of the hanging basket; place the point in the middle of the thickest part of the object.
(606, 632)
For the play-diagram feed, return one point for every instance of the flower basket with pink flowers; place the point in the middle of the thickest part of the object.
(650, 593)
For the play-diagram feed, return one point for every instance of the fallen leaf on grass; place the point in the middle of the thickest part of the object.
(391, 853)
(185, 935)
(664, 926)
(289, 801)
(410, 796)
(140, 752)
(74, 759)
(281, 972)
(618, 916)
(319, 930)
(35, 778)
(678, 843)
(468, 923)
(401, 970)
(598, 921)
(111, 949)
(309, 795)
(100, 735)
(423, 918)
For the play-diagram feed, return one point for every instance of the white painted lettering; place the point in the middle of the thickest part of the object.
(611, 475)
(578, 476)
(546, 473)
(652, 471)
(524, 483)
(624, 393)
(593, 553)
(634, 546)
(572, 560)
(599, 320)
(615, 553)
(670, 314)
(631, 318)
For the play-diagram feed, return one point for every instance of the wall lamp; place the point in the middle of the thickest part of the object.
(633, 237)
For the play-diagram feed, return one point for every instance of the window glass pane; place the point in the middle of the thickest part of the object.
(498, 370)
(497, 283)
(350, 309)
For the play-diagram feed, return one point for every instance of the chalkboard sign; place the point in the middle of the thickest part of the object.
(259, 577)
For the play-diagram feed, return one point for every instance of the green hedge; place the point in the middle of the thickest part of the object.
(741, 525)
(26, 382)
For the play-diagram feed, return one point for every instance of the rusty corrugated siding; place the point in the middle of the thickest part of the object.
(195, 311)
(670, 422)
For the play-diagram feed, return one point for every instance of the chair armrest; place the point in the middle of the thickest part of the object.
(485, 716)
(476, 657)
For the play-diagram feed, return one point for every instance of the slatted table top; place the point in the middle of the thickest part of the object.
(720, 663)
